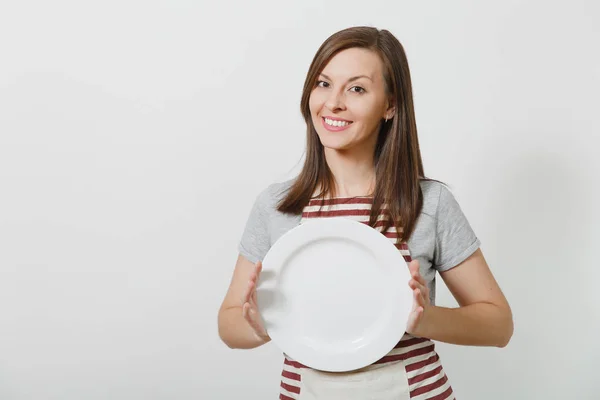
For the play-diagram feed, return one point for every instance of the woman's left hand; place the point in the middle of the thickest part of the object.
(421, 301)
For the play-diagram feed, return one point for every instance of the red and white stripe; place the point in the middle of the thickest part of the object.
(426, 377)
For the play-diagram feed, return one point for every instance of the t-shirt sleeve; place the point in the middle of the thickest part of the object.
(455, 239)
(255, 240)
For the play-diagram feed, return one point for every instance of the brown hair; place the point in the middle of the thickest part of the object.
(397, 157)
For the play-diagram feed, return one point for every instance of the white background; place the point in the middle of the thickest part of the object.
(135, 135)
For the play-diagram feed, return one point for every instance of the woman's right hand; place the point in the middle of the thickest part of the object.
(250, 308)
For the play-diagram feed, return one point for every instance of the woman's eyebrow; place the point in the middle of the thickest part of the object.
(351, 79)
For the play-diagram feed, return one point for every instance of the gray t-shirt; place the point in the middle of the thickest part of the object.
(442, 238)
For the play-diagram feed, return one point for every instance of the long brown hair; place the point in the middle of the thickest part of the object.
(397, 158)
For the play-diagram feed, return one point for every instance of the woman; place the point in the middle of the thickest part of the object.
(362, 148)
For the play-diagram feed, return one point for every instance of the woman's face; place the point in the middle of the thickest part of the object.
(350, 100)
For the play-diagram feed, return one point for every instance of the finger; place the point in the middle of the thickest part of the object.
(418, 277)
(417, 285)
(248, 292)
(257, 322)
(251, 316)
(413, 266)
(425, 290)
(415, 273)
(254, 274)
(419, 298)
(422, 298)
(250, 298)
(418, 315)
(246, 311)
(416, 299)
(253, 277)
(413, 284)
(253, 300)
(414, 320)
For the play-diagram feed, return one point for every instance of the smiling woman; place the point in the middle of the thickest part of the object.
(363, 162)
(350, 96)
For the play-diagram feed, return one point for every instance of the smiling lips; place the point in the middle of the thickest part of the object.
(335, 124)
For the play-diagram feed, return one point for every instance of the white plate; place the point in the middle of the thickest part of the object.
(334, 294)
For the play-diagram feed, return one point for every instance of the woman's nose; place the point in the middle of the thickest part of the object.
(335, 101)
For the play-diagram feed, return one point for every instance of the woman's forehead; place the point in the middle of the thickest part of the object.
(352, 63)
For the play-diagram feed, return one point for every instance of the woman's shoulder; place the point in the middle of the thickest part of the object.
(265, 224)
(272, 194)
(434, 193)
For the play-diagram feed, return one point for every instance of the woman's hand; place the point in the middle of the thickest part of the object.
(250, 308)
(421, 301)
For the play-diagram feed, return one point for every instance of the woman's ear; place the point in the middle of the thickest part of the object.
(391, 110)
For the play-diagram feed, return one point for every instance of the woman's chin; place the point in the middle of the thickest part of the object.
(334, 143)
(335, 146)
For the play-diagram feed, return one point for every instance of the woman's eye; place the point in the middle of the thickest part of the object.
(322, 84)
(357, 89)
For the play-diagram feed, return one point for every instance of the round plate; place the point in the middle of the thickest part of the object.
(333, 294)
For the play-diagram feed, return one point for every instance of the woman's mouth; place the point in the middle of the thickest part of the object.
(335, 124)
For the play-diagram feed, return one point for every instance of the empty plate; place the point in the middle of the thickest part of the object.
(334, 294)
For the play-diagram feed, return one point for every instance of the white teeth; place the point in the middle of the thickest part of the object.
(336, 123)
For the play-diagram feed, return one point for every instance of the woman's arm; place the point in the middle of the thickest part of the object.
(240, 325)
(483, 318)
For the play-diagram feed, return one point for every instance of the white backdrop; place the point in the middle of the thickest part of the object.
(135, 135)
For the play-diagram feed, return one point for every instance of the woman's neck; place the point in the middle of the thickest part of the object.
(353, 172)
